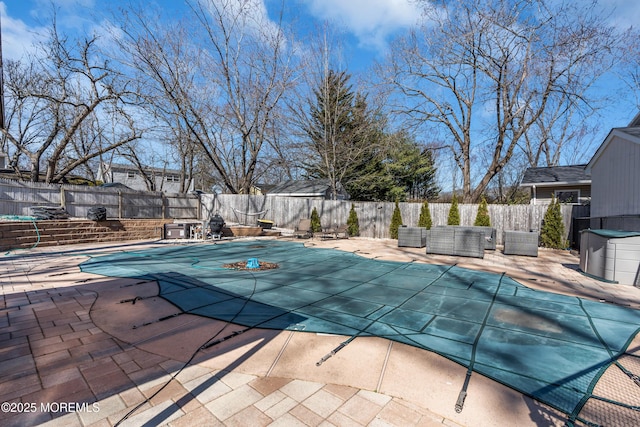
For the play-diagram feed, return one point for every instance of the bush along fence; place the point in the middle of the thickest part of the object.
(374, 218)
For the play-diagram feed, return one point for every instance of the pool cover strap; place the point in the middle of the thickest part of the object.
(463, 393)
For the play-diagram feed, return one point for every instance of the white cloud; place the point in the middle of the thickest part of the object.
(254, 12)
(624, 13)
(17, 37)
(371, 21)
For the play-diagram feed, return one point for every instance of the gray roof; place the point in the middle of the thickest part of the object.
(316, 187)
(305, 188)
(556, 175)
(132, 168)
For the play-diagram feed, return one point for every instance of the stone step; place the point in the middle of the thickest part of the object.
(23, 234)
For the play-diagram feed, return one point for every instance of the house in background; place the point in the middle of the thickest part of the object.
(569, 184)
(4, 160)
(310, 189)
(166, 180)
(611, 248)
(615, 170)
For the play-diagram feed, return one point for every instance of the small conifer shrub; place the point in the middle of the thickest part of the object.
(482, 218)
(425, 216)
(316, 226)
(353, 226)
(552, 233)
(396, 221)
(454, 213)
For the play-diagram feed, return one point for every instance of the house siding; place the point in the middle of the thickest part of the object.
(164, 181)
(545, 194)
(616, 180)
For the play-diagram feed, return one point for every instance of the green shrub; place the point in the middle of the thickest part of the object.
(552, 233)
(352, 222)
(482, 218)
(454, 213)
(316, 226)
(425, 216)
(396, 221)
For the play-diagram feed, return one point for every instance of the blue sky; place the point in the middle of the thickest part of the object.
(366, 25)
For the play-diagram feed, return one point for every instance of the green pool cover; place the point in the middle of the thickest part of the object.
(548, 346)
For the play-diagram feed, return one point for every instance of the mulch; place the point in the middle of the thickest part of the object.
(242, 265)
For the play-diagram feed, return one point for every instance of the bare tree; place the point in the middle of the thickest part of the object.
(490, 73)
(57, 103)
(218, 78)
(629, 71)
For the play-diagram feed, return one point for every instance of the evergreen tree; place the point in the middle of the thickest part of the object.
(339, 130)
(412, 168)
(482, 218)
(552, 233)
(316, 226)
(454, 213)
(425, 216)
(396, 221)
(352, 222)
(348, 146)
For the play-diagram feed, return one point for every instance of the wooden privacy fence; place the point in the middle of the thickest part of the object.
(375, 217)
(17, 197)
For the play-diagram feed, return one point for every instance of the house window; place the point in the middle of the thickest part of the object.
(173, 178)
(568, 196)
(131, 175)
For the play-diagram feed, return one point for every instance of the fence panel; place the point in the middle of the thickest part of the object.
(180, 206)
(16, 197)
(374, 217)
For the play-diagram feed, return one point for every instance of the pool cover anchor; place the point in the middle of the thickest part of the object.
(134, 300)
(463, 393)
(335, 350)
(170, 316)
(220, 340)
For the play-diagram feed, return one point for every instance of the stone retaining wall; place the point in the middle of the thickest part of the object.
(26, 234)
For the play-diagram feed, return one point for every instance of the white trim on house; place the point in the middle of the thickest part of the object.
(620, 133)
(554, 183)
(568, 190)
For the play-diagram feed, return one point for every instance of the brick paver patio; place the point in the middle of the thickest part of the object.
(71, 355)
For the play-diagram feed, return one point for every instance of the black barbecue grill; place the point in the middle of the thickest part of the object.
(216, 223)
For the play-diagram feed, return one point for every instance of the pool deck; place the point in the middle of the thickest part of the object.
(68, 337)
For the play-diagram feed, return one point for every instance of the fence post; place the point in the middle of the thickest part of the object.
(119, 204)
(163, 200)
(63, 202)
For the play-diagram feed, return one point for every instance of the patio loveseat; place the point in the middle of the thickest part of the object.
(489, 234)
(453, 240)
